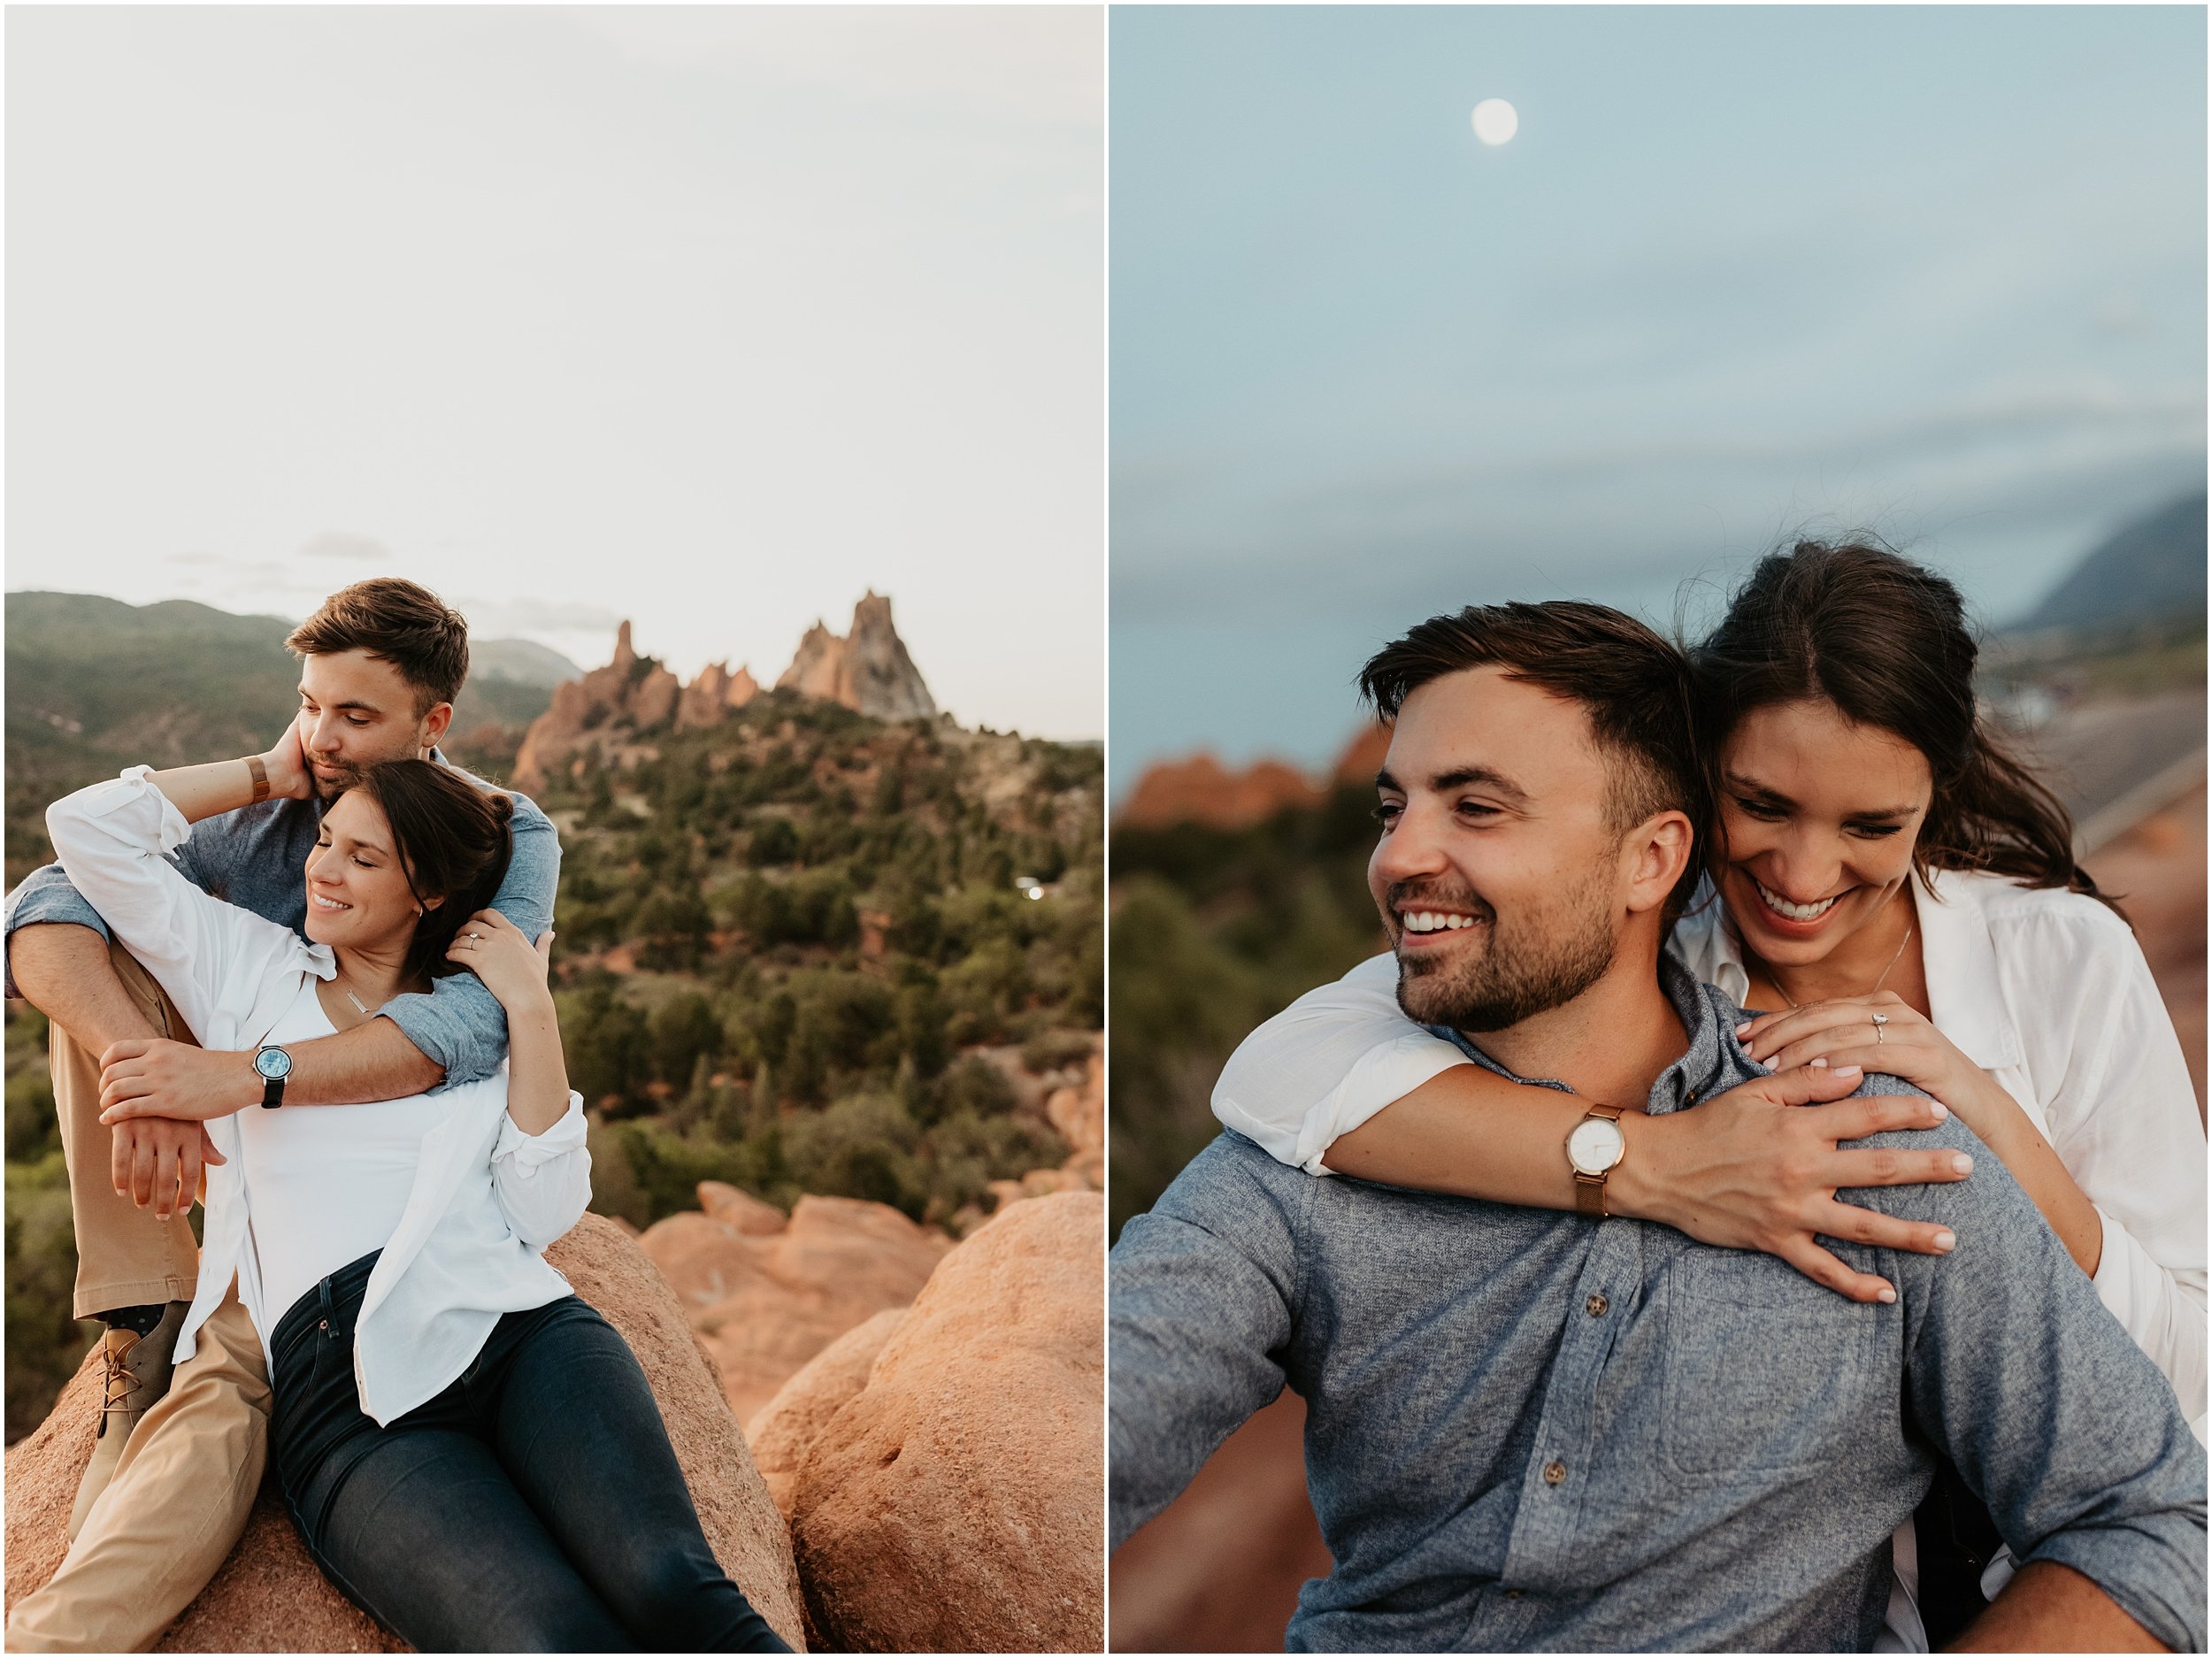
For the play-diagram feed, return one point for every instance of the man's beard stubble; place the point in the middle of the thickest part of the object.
(327, 790)
(1542, 961)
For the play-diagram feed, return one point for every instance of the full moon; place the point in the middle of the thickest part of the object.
(1495, 121)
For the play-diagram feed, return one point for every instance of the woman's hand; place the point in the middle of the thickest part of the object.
(512, 969)
(1823, 1035)
(1758, 1167)
(1843, 1032)
(286, 764)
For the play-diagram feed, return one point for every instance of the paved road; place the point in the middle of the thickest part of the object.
(2094, 754)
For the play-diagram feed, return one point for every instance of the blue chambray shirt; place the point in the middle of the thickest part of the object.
(1527, 1430)
(256, 858)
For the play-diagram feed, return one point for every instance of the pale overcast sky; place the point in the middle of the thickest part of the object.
(712, 319)
(1938, 272)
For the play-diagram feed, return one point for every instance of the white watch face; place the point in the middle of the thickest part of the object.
(1595, 1146)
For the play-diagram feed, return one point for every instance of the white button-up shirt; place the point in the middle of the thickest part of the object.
(487, 1197)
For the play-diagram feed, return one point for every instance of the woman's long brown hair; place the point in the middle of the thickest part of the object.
(1886, 641)
(454, 843)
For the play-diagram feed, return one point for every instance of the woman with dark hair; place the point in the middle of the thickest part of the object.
(1896, 892)
(469, 1451)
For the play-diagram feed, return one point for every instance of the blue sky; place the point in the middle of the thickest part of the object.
(1935, 272)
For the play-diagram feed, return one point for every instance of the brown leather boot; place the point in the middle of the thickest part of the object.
(138, 1372)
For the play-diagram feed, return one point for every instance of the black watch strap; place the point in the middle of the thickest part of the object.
(272, 1087)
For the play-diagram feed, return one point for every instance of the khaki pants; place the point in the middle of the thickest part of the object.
(183, 1493)
(125, 1257)
(177, 1506)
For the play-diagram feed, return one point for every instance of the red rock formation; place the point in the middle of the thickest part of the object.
(1201, 790)
(765, 1304)
(952, 1503)
(1078, 1117)
(595, 714)
(741, 1211)
(867, 671)
(268, 1597)
(1363, 757)
(784, 1430)
(713, 694)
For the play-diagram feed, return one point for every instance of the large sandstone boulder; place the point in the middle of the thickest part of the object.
(785, 1428)
(740, 1210)
(268, 1597)
(952, 1503)
(765, 1303)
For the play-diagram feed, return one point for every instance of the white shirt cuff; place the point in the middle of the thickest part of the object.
(530, 1151)
(134, 785)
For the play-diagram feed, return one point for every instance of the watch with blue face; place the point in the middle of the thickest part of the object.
(272, 1065)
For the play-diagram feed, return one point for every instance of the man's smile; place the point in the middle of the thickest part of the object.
(1436, 920)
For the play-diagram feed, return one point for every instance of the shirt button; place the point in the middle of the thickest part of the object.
(1512, 1594)
(1596, 1305)
(1554, 1472)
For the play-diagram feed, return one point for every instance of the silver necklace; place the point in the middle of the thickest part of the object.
(1785, 989)
(370, 1013)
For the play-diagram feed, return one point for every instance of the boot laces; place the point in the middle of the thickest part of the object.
(120, 1383)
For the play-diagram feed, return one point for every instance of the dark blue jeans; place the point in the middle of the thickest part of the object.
(534, 1506)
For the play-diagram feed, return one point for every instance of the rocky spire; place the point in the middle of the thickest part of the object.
(868, 671)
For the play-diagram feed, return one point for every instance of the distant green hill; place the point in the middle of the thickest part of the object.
(2153, 570)
(94, 684)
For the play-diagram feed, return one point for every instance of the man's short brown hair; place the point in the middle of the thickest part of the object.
(1634, 685)
(408, 625)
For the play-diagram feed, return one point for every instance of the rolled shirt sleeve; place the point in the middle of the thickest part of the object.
(543, 1180)
(44, 895)
(459, 1022)
(1325, 1064)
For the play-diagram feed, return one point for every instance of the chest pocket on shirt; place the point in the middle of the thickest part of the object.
(1762, 1368)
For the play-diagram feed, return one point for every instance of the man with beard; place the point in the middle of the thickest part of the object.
(380, 664)
(1528, 1429)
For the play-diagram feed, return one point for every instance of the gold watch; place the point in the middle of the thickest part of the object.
(1594, 1149)
(259, 773)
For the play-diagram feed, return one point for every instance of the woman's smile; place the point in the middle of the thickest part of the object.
(1818, 816)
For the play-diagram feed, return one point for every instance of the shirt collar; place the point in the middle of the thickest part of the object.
(1965, 1001)
(1682, 1082)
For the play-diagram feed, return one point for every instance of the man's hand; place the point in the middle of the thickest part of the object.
(286, 764)
(152, 1077)
(159, 1160)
